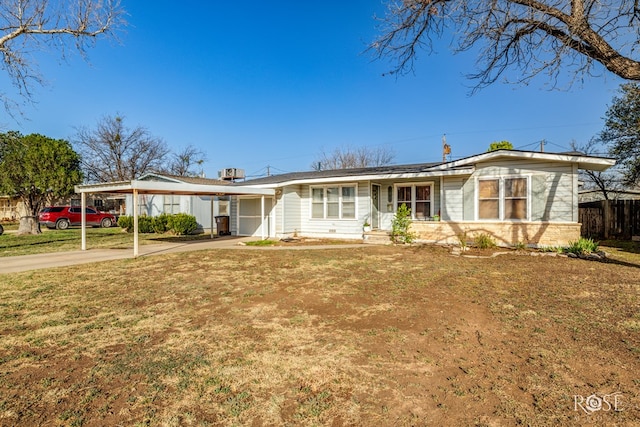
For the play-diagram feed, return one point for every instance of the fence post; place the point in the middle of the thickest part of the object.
(606, 217)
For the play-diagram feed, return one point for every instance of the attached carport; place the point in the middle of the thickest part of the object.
(137, 188)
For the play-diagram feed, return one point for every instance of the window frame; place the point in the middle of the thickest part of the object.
(169, 201)
(340, 202)
(502, 197)
(413, 186)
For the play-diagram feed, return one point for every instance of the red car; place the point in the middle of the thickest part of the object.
(61, 217)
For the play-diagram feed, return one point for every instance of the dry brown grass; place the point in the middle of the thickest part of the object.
(367, 336)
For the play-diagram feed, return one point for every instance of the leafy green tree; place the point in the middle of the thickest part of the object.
(622, 131)
(36, 169)
(500, 145)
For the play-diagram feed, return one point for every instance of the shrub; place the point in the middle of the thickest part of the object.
(582, 246)
(160, 223)
(484, 241)
(182, 224)
(400, 226)
(145, 224)
(126, 222)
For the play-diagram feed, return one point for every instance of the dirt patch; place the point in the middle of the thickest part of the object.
(360, 336)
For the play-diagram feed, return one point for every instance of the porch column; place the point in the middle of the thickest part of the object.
(135, 223)
(212, 218)
(262, 217)
(83, 206)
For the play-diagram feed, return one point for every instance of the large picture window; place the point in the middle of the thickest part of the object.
(417, 197)
(333, 202)
(503, 198)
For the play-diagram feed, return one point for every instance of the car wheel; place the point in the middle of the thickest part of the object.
(62, 224)
(1, 229)
(106, 223)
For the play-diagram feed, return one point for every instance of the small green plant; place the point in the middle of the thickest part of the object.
(484, 241)
(520, 246)
(463, 239)
(582, 246)
(400, 226)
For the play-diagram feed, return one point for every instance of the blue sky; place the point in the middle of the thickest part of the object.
(257, 84)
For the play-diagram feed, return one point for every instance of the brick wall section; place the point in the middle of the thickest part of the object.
(535, 234)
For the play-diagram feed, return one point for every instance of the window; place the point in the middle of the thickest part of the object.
(503, 198)
(335, 202)
(417, 198)
(489, 199)
(171, 204)
(515, 198)
(423, 202)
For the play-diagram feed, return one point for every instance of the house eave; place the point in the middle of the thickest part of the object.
(377, 177)
(176, 188)
(583, 161)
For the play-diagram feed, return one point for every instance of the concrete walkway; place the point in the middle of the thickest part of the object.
(16, 264)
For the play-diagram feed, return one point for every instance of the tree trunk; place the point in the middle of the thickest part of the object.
(29, 225)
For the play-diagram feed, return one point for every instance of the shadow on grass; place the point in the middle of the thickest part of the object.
(623, 245)
(629, 247)
(620, 262)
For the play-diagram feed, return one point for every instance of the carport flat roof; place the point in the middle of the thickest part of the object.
(178, 188)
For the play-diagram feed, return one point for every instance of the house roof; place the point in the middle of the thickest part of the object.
(185, 179)
(463, 166)
(339, 173)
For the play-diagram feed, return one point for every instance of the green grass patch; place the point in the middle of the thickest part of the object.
(262, 243)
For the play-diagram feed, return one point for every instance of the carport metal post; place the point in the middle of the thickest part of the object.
(262, 217)
(135, 223)
(83, 206)
(212, 218)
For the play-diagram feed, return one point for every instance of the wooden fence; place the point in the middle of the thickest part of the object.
(610, 219)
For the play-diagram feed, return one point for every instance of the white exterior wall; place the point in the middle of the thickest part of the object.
(452, 208)
(289, 211)
(338, 228)
(553, 187)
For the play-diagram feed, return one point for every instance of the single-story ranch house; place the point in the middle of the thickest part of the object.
(518, 197)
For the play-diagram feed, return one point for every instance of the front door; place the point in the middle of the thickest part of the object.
(375, 206)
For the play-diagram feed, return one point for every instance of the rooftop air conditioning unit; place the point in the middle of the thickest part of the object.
(231, 174)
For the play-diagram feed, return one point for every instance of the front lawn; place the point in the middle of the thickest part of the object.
(70, 240)
(377, 335)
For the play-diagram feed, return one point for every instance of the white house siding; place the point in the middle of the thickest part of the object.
(452, 208)
(148, 204)
(290, 211)
(338, 228)
(553, 187)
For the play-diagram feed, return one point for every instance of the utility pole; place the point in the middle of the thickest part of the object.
(542, 143)
(446, 148)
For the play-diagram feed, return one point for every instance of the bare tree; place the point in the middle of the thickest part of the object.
(531, 36)
(607, 182)
(28, 25)
(349, 158)
(187, 162)
(114, 152)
